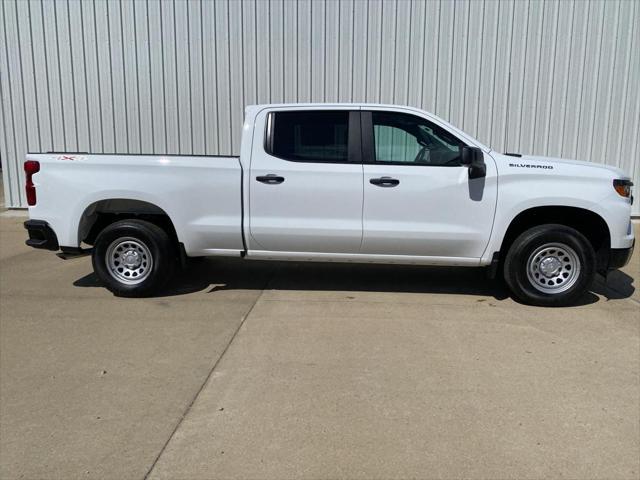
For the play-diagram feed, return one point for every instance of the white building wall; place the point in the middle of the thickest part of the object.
(556, 78)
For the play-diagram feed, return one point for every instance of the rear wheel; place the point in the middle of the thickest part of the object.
(133, 258)
(550, 265)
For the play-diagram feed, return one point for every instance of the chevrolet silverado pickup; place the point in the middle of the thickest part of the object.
(338, 183)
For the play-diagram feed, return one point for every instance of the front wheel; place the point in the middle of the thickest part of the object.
(133, 258)
(550, 265)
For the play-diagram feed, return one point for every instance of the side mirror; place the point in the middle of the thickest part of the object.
(473, 158)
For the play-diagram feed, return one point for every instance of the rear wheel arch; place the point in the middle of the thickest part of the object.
(100, 214)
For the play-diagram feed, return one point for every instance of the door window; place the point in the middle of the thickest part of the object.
(309, 136)
(406, 139)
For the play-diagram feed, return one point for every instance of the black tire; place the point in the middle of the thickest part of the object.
(525, 273)
(146, 240)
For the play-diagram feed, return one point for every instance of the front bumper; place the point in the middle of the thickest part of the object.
(619, 257)
(41, 235)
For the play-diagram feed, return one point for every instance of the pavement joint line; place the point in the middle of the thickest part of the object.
(208, 377)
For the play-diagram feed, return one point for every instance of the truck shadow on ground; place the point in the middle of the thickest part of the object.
(213, 275)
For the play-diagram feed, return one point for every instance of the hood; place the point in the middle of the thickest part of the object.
(541, 162)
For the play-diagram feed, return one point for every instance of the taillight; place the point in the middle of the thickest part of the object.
(31, 167)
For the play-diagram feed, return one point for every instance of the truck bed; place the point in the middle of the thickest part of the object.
(201, 194)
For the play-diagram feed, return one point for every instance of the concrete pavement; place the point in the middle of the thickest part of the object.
(257, 370)
(90, 386)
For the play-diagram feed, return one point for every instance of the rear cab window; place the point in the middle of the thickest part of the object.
(309, 136)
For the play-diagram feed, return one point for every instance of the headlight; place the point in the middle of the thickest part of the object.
(623, 187)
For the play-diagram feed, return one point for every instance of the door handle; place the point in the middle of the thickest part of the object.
(384, 182)
(271, 179)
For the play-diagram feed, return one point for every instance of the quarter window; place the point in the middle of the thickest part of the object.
(310, 136)
(407, 139)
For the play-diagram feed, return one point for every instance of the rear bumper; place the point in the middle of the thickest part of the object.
(41, 235)
(619, 257)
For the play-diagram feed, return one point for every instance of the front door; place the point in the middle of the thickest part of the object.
(306, 182)
(418, 199)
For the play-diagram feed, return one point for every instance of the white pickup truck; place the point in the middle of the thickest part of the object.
(338, 183)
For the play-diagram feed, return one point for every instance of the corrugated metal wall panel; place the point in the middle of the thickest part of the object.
(549, 77)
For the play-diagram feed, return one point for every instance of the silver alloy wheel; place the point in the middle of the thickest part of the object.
(129, 260)
(553, 268)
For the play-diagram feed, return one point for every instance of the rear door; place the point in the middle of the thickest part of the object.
(418, 198)
(306, 181)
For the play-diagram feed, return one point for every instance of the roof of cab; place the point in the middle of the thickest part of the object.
(255, 109)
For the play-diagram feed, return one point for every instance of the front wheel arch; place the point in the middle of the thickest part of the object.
(587, 222)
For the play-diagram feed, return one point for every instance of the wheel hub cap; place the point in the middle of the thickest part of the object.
(550, 266)
(129, 260)
(553, 268)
